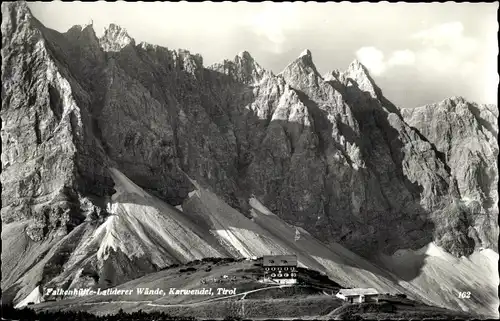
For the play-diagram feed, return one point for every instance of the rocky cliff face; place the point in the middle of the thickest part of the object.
(465, 135)
(48, 157)
(327, 153)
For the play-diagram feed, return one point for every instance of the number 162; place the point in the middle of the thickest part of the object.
(464, 295)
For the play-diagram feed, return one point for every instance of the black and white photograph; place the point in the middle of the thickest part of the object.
(249, 161)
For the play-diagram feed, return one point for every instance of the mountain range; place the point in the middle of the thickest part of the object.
(120, 159)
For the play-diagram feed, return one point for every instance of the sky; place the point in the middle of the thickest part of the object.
(416, 53)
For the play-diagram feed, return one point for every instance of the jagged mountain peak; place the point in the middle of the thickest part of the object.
(454, 103)
(305, 59)
(333, 75)
(75, 28)
(89, 29)
(356, 65)
(86, 30)
(146, 45)
(305, 53)
(455, 100)
(186, 53)
(358, 73)
(355, 71)
(301, 67)
(89, 24)
(115, 38)
(19, 7)
(192, 62)
(245, 55)
(15, 18)
(242, 68)
(113, 27)
(245, 59)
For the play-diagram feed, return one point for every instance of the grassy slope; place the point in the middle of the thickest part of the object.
(289, 302)
(309, 299)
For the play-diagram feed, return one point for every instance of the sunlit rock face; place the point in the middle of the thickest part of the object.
(115, 38)
(327, 153)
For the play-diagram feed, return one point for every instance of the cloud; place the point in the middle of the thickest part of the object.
(445, 47)
(402, 57)
(374, 60)
(448, 36)
(442, 48)
(442, 34)
(273, 22)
